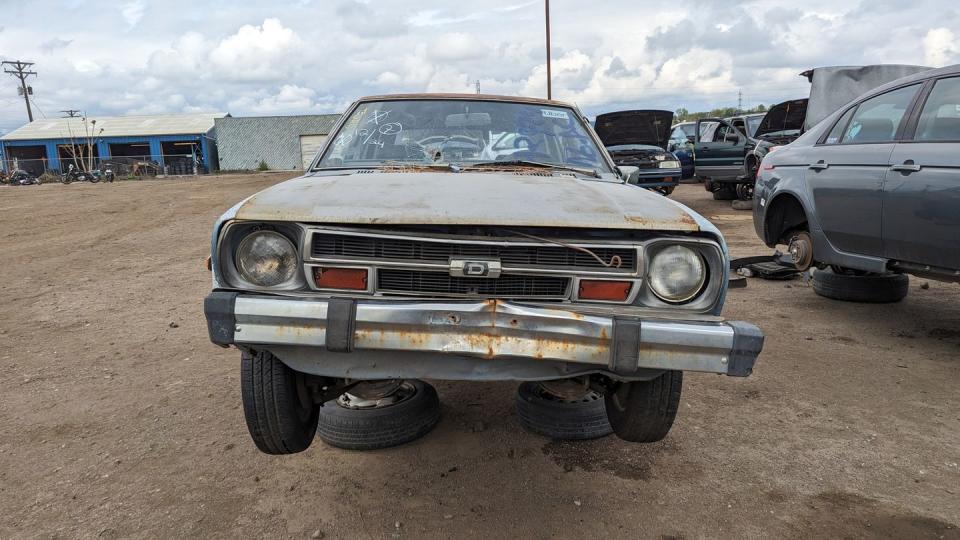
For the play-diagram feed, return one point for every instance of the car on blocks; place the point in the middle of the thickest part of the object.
(420, 246)
(872, 192)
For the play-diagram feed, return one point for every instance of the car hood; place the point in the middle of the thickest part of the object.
(635, 127)
(467, 198)
(786, 116)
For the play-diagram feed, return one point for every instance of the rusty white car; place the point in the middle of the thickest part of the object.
(467, 237)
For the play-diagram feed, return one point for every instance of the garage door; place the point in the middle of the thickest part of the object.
(309, 146)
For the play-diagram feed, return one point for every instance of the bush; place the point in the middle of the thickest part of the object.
(263, 166)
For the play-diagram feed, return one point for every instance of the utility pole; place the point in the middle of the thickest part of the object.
(549, 83)
(478, 86)
(740, 100)
(20, 71)
(71, 113)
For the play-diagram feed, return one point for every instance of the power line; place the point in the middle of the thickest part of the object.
(20, 71)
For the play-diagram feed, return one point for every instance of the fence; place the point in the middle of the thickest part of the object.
(122, 166)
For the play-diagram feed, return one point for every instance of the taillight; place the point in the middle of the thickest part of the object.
(354, 279)
(611, 291)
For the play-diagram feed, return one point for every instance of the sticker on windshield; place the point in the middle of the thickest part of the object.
(547, 113)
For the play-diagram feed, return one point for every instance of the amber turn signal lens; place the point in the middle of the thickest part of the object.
(612, 291)
(340, 278)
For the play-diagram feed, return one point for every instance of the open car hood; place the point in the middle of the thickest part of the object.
(785, 116)
(635, 127)
(441, 198)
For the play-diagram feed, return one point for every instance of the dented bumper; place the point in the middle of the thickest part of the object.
(485, 330)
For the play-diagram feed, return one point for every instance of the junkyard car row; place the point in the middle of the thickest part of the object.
(494, 238)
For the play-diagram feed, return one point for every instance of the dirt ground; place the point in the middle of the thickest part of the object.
(118, 418)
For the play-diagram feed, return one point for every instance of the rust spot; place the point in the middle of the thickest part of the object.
(603, 333)
(490, 354)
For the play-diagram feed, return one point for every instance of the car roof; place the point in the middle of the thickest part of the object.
(468, 97)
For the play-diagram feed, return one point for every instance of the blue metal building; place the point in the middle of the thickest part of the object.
(174, 143)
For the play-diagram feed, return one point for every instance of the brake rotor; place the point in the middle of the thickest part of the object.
(376, 394)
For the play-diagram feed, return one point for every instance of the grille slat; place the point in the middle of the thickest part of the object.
(505, 286)
(368, 247)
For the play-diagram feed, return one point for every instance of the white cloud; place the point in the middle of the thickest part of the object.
(257, 53)
(132, 12)
(940, 47)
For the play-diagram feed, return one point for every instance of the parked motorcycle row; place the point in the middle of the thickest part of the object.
(20, 177)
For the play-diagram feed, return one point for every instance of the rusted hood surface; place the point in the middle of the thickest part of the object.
(504, 198)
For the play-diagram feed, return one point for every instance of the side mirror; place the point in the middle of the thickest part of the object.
(629, 173)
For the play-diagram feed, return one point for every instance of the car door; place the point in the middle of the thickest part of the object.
(847, 169)
(719, 149)
(921, 194)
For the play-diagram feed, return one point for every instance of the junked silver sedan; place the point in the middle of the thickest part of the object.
(467, 237)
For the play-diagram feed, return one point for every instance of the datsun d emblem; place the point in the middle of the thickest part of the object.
(475, 268)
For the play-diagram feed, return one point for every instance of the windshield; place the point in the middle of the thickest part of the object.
(461, 132)
(753, 124)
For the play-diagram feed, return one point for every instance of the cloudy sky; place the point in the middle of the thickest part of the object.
(260, 58)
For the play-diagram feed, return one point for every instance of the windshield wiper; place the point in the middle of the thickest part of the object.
(523, 162)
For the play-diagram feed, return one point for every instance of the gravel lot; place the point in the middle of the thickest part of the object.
(118, 418)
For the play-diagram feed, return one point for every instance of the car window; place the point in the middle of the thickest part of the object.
(753, 124)
(877, 119)
(837, 131)
(461, 132)
(940, 117)
(723, 134)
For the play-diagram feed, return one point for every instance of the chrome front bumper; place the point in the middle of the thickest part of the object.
(485, 330)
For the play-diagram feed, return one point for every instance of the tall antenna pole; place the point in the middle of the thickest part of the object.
(740, 100)
(20, 71)
(549, 77)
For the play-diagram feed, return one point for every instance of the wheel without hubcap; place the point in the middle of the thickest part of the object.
(562, 410)
(280, 416)
(379, 414)
(850, 285)
(643, 411)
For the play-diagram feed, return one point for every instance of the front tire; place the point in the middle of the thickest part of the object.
(837, 284)
(643, 411)
(280, 416)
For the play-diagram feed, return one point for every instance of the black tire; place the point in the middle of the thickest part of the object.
(870, 288)
(708, 185)
(66, 179)
(94, 179)
(724, 192)
(375, 428)
(643, 411)
(545, 414)
(278, 420)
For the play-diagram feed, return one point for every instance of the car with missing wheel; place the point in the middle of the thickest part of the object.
(872, 192)
(473, 238)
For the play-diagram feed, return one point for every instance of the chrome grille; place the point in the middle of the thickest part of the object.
(505, 286)
(331, 245)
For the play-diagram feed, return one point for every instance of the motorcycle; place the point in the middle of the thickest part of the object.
(20, 177)
(75, 175)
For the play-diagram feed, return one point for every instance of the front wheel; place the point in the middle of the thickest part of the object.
(643, 411)
(94, 179)
(281, 417)
(65, 179)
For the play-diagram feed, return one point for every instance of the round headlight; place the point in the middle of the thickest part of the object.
(267, 259)
(676, 274)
